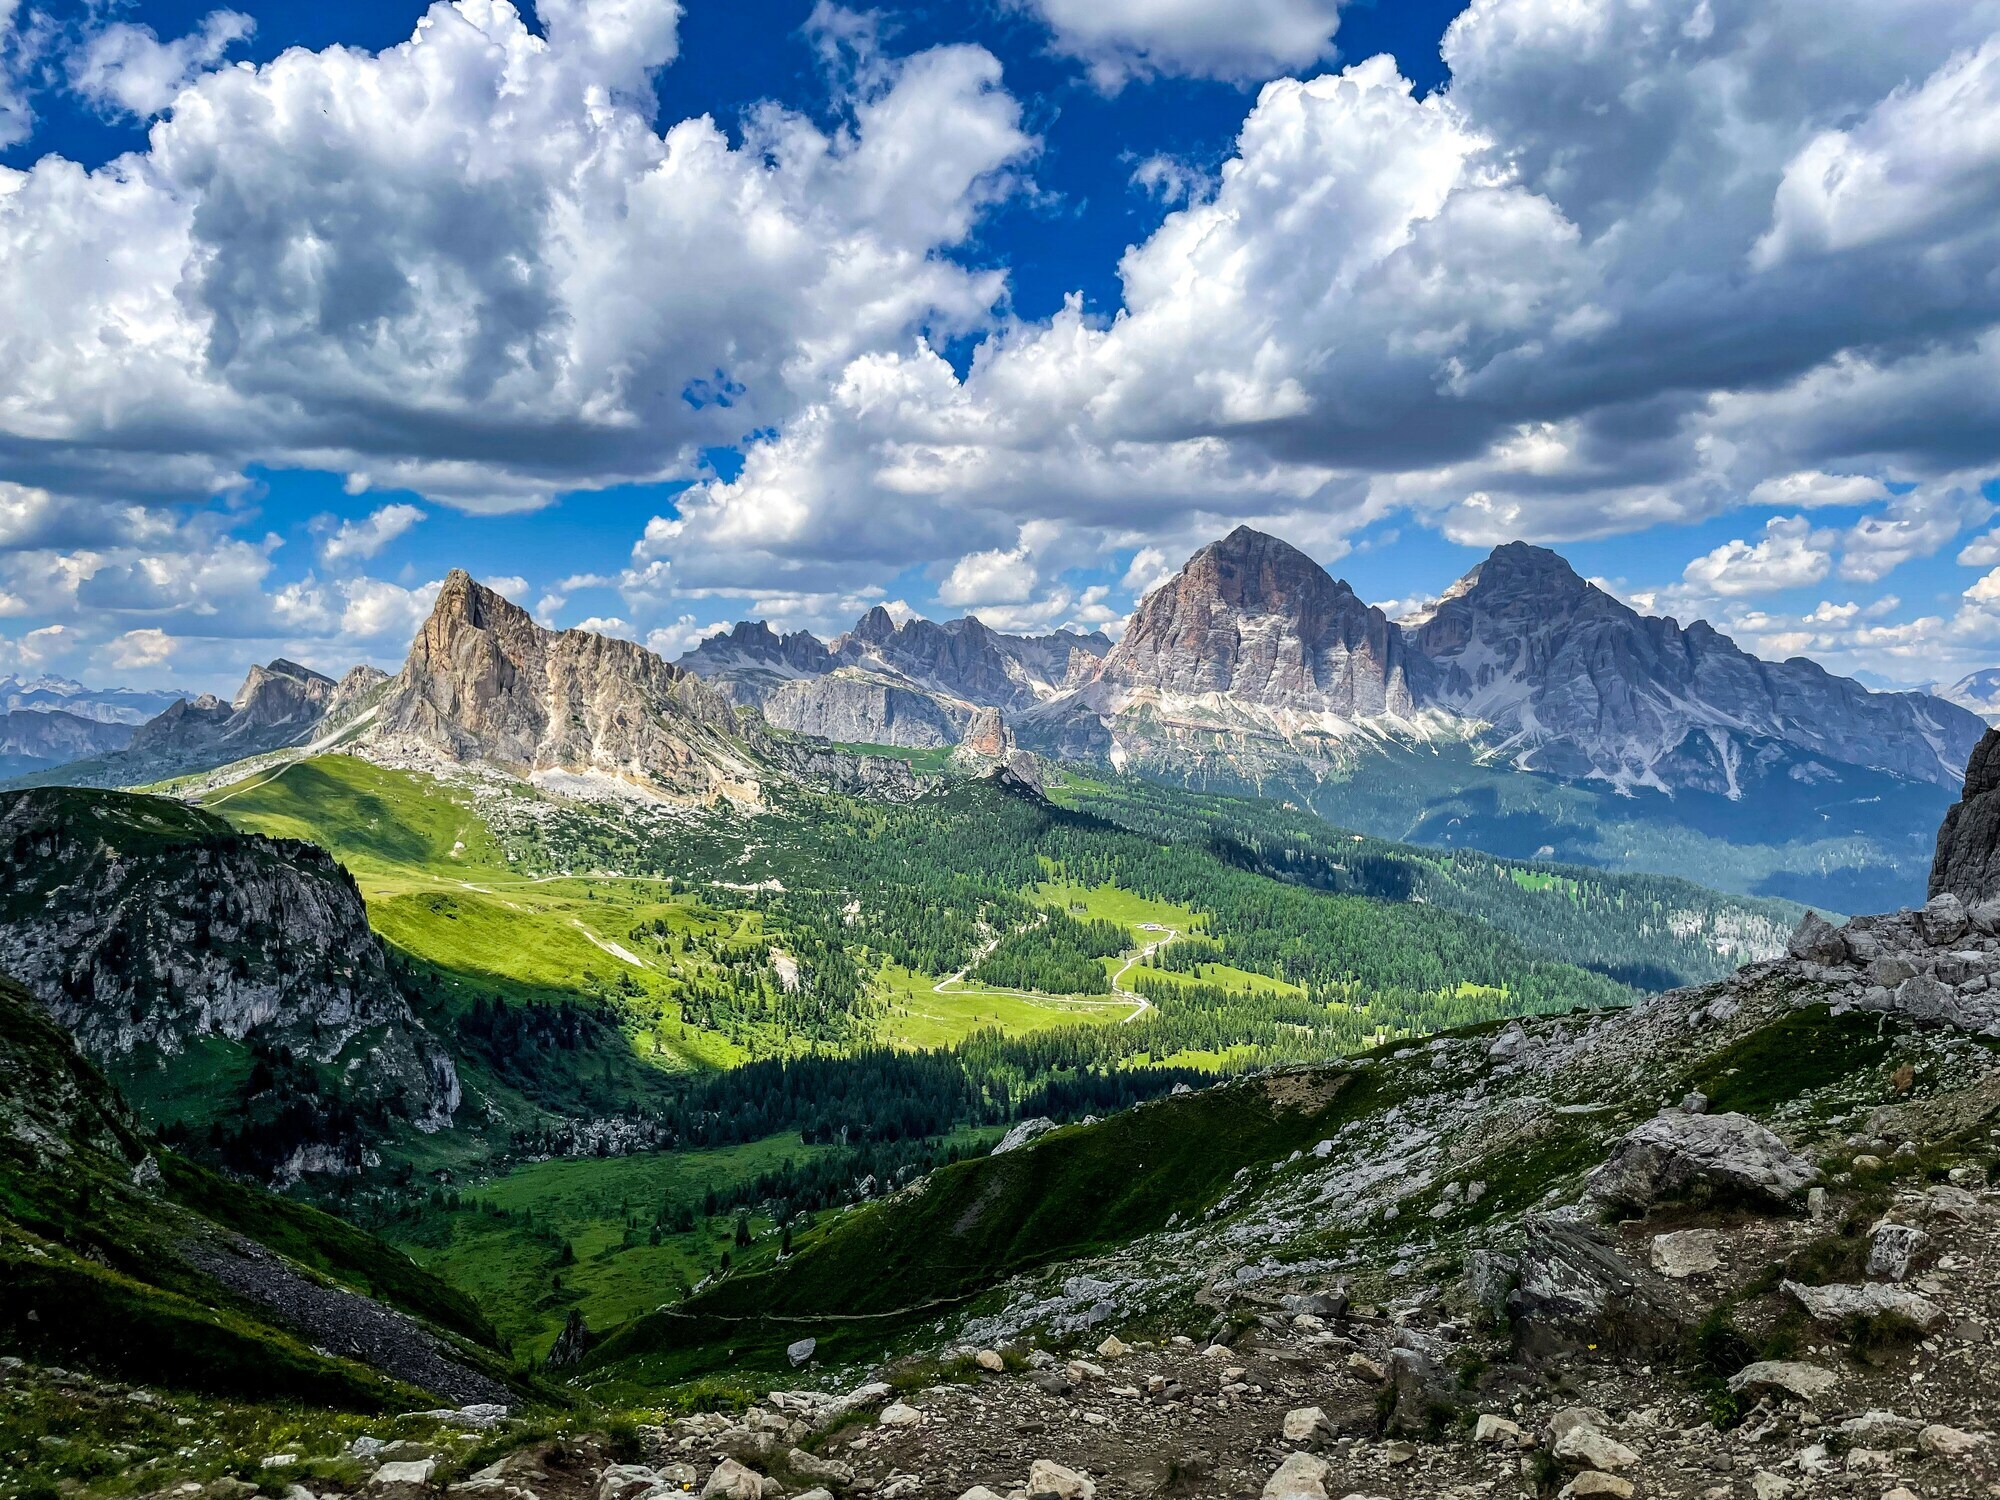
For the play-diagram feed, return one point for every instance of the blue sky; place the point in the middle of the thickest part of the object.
(999, 307)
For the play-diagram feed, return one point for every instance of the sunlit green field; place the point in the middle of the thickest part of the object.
(603, 1210)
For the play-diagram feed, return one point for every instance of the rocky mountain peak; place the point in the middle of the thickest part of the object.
(877, 626)
(282, 692)
(484, 682)
(1255, 619)
(1251, 570)
(1575, 682)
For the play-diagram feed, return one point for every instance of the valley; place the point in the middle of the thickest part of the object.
(662, 1035)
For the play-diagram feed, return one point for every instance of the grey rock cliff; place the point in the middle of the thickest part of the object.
(1256, 621)
(851, 708)
(1968, 844)
(1577, 683)
(144, 926)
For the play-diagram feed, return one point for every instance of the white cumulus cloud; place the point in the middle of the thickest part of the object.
(1244, 40)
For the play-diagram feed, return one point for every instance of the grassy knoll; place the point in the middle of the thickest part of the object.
(860, 1276)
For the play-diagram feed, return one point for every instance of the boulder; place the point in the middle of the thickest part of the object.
(1836, 1304)
(1817, 941)
(990, 1361)
(1785, 1378)
(1881, 1430)
(415, 1471)
(1305, 1424)
(625, 1482)
(1943, 920)
(1490, 1277)
(800, 1352)
(732, 1481)
(1422, 1391)
(1686, 1252)
(898, 1414)
(829, 1472)
(1673, 1155)
(1890, 1252)
(1922, 997)
(1023, 1133)
(1592, 1484)
(1575, 1291)
(1584, 1446)
(1047, 1478)
(1496, 1429)
(1939, 1441)
(1300, 1477)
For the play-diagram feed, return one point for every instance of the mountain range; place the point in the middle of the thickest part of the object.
(1527, 712)
(47, 694)
(1977, 692)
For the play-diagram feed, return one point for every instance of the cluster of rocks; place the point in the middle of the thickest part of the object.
(1937, 965)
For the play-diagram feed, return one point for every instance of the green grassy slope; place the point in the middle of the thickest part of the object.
(881, 1267)
(96, 1226)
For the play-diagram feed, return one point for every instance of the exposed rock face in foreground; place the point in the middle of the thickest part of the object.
(145, 927)
(485, 684)
(1968, 845)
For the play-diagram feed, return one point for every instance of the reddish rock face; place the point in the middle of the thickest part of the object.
(1255, 619)
(484, 682)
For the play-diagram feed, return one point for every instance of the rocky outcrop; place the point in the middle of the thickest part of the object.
(1679, 1155)
(1935, 966)
(486, 685)
(146, 927)
(1968, 844)
(1577, 683)
(849, 708)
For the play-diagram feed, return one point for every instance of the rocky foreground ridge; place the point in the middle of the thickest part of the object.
(1739, 1243)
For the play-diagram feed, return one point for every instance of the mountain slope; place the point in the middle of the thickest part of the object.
(485, 684)
(33, 740)
(1576, 683)
(126, 1260)
(914, 685)
(63, 695)
(231, 979)
(1977, 692)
